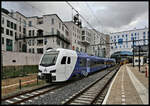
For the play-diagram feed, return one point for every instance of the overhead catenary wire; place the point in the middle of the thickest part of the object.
(85, 20)
(119, 43)
(94, 15)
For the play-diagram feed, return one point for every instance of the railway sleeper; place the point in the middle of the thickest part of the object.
(86, 99)
(81, 101)
(87, 96)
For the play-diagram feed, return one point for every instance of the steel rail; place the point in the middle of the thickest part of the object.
(72, 99)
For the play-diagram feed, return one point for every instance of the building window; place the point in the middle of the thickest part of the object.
(58, 33)
(9, 45)
(2, 30)
(15, 34)
(32, 32)
(19, 35)
(2, 40)
(39, 50)
(135, 34)
(7, 31)
(24, 23)
(2, 20)
(58, 41)
(67, 33)
(59, 25)
(15, 26)
(52, 20)
(126, 35)
(20, 20)
(20, 28)
(62, 27)
(118, 36)
(8, 23)
(45, 41)
(32, 42)
(30, 23)
(132, 34)
(32, 50)
(29, 42)
(122, 35)
(29, 32)
(24, 30)
(52, 31)
(83, 33)
(135, 38)
(40, 42)
(111, 47)
(12, 25)
(11, 33)
(19, 44)
(144, 33)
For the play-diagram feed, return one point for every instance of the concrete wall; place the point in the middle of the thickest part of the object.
(20, 58)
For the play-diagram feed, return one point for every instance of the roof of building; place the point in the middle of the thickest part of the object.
(130, 30)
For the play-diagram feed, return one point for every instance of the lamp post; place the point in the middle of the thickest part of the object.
(133, 52)
(139, 58)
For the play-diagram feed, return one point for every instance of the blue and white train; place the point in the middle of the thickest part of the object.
(59, 65)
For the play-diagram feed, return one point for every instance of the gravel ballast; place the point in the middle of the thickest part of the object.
(61, 94)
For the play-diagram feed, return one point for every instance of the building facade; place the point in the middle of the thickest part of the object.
(47, 32)
(33, 34)
(36, 34)
(123, 41)
(76, 36)
(8, 31)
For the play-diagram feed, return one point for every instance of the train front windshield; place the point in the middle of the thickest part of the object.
(49, 59)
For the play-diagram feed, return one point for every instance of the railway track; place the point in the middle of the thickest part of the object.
(94, 93)
(28, 95)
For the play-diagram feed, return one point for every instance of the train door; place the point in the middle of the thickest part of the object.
(61, 68)
(88, 65)
(69, 67)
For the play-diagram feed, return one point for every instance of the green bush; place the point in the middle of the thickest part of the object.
(16, 71)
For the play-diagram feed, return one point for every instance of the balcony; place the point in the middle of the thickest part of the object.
(85, 41)
(40, 42)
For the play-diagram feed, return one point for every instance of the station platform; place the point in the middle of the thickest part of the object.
(129, 86)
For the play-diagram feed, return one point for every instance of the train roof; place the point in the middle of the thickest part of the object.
(84, 55)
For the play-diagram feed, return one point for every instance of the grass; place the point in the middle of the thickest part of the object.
(16, 71)
(14, 89)
(40, 82)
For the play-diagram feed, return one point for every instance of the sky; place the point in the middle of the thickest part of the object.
(106, 17)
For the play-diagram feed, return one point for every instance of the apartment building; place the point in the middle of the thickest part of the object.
(36, 34)
(96, 39)
(124, 39)
(86, 39)
(46, 32)
(21, 31)
(75, 36)
(8, 31)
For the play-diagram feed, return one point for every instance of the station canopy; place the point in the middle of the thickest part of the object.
(123, 53)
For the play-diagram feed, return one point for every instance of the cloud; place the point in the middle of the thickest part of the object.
(108, 16)
(121, 14)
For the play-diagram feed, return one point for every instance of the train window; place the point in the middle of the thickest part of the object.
(69, 60)
(83, 62)
(63, 61)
